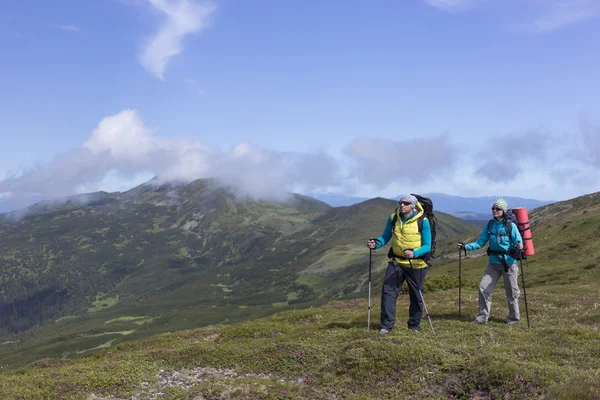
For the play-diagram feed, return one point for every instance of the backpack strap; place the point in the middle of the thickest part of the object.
(394, 219)
(508, 226)
(420, 222)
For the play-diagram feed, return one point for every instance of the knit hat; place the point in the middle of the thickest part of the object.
(503, 204)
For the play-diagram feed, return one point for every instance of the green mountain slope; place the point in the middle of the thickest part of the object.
(326, 352)
(108, 267)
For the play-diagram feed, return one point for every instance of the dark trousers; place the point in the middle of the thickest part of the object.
(395, 275)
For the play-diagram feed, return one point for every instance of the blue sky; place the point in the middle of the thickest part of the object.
(465, 97)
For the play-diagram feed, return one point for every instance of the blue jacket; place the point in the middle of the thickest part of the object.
(499, 241)
(425, 236)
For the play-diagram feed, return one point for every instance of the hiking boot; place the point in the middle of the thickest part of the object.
(479, 321)
(511, 321)
(415, 328)
(384, 331)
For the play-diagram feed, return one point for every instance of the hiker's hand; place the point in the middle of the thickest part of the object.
(519, 245)
(371, 243)
(409, 254)
(461, 246)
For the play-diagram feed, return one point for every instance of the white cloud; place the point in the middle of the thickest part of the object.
(541, 164)
(72, 28)
(590, 142)
(503, 160)
(565, 12)
(455, 5)
(543, 15)
(122, 152)
(123, 135)
(123, 146)
(183, 18)
(414, 160)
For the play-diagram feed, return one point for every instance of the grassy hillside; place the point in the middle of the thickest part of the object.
(108, 267)
(326, 352)
(566, 237)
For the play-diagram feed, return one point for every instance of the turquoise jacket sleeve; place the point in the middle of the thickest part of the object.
(483, 238)
(425, 240)
(385, 236)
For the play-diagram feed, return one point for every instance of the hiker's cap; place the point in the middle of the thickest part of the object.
(503, 204)
(409, 198)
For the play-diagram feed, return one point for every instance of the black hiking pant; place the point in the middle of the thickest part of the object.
(395, 275)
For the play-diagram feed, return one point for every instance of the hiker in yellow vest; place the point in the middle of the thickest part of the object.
(410, 233)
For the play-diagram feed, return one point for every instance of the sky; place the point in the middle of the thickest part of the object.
(463, 97)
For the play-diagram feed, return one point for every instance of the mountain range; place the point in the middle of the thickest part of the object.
(470, 208)
(103, 267)
(463, 207)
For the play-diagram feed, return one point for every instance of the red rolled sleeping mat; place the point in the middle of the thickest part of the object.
(524, 230)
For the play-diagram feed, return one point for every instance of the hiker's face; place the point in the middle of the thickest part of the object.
(497, 211)
(405, 206)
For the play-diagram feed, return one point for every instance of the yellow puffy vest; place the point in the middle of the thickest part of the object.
(407, 236)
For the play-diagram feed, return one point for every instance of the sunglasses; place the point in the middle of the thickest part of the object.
(406, 203)
(496, 209)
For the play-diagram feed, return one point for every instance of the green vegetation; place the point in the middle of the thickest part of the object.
(103, 302)
(327, 352)
(137, 320)
(180, 256)
(237, 320)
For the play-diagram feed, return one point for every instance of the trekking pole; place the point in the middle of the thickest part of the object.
(460, 278)
(416, 288)
(369, 312)
(524, 291)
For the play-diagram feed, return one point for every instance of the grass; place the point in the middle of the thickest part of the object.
(102, 303)
(66, 318)
(127, 318)
(327, 352)
(335, 258)
(322, 352)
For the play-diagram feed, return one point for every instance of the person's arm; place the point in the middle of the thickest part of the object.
(385, 236)
(425, 240)
(483, 238)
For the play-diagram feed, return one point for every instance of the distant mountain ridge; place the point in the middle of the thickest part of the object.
(481, 205)
(443, 202)
(454, 205)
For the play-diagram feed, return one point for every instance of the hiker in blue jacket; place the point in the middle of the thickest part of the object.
(500, 263)
(411, 244)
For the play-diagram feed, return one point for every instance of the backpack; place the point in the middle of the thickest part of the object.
(509, 217)
(427, 205)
